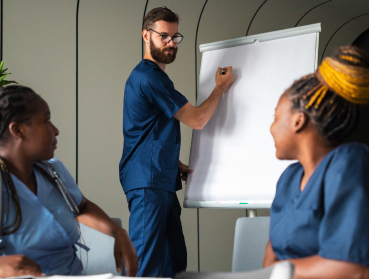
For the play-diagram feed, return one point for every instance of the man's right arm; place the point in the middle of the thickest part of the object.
(197, 117)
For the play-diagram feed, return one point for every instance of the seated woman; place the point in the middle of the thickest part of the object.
(320, 214)
(41, 202)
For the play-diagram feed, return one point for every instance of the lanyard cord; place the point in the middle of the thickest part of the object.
(58, 185)
(55, 180)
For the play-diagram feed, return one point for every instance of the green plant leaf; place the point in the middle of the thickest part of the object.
(2, 77)
(3, 71)
(5, 82)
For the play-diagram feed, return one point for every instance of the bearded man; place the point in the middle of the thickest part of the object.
(150, 170)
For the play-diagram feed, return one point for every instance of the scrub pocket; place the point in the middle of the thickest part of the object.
(165, 158)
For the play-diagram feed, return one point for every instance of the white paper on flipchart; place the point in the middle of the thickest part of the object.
(233, 156)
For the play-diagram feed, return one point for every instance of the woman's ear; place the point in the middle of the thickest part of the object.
(300, 121)
(16, 130)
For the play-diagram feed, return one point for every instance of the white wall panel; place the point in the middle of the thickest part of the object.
(281, 14)
(333, 15)
(39, 50)
(347, 34)
(223, 20)
(109, 48)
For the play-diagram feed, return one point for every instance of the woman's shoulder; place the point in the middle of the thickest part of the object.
(348, 161)
(351, 151)
(58, 166)
(56, 163)
(352, 147)
(289, 174)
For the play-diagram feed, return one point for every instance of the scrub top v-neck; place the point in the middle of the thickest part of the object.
(330, 216)
(48, 230)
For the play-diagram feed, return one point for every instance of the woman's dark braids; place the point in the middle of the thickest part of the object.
(15, 106)
(9, 186)
(335, 117)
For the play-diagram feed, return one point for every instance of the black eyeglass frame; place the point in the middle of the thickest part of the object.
(171, 37)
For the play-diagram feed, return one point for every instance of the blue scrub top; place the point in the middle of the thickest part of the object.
(330, 217)
(152, 136)
(48, 230)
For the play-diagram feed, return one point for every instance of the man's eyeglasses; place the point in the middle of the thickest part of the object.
(166, 38)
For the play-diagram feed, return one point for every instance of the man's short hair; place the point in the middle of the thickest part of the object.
(160, 13)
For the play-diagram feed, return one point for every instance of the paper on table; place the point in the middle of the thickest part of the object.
(98, 276)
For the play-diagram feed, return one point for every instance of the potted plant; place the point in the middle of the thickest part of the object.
(3, 75)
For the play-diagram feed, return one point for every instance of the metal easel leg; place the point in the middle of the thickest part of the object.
(251, 213)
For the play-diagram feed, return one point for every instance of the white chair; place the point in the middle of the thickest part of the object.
(251, 237)
(283, 270)
(99, 257)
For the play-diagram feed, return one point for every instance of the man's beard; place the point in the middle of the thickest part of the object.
(158, 55)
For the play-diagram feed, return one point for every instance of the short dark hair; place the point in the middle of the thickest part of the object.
(156, 14)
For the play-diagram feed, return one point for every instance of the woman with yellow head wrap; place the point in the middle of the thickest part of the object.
(320, 214)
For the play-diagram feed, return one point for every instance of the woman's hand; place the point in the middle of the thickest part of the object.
(18, 265)
(93, 216)
(316, 267)
(269, 258)
(123, 248)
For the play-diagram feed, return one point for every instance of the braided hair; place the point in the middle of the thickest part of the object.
(331, 95)
(15, 106)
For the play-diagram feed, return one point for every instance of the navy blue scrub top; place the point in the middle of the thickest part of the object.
(152, 136)
(330, 217)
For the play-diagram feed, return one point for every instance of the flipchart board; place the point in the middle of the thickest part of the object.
(233, 156)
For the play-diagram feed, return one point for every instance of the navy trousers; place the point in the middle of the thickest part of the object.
(156, 232)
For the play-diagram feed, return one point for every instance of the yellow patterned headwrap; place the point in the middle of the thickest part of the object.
(349, 81)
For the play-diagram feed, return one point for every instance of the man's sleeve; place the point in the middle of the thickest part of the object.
(163, 95)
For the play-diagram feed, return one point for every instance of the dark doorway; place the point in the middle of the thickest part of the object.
(363, 41)
(361, 133)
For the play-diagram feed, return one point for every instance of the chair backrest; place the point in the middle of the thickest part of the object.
(250, 239)
(99, 258)
(283, 270)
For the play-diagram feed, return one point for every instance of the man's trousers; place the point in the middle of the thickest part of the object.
(156, 232)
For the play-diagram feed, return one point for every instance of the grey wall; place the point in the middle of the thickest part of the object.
(39, 48)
